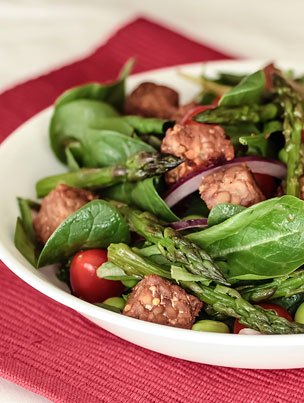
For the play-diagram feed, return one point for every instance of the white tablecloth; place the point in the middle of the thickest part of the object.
(38, 35)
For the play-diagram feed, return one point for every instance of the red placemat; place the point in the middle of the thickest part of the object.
(52, 350)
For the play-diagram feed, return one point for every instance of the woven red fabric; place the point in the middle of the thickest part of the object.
(52, 350)
(154, 46)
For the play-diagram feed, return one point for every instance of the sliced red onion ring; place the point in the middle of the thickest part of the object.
(195, 223)
(249, 331)
(191, 183)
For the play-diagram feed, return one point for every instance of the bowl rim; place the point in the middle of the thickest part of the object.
(16, 265)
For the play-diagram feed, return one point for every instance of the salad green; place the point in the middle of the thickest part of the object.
(230, 256)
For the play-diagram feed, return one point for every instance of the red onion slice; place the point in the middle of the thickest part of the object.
(191, 183)
(195, 223)
(250, 332)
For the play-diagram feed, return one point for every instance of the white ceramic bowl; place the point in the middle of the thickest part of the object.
(26, 157)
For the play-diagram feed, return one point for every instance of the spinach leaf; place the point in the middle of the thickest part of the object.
(105, 147)
(257, 144)
(263, 143)
(26, 217)
(26, 246)
(248, 91)
(110, 271)
(234, 132)
(272, 126)
(196, 208)
(291, 303)
(71, 158)
(69, 122)
(229, 78)
(221, 212)
(206, 98)
(154, 255)
(33, 205)
(143, 195)
(181, 274)
(113, 93)
(25, 236)
(147, 125)
(63, 273)
(95, 225)
(116, 123)
(263, 241)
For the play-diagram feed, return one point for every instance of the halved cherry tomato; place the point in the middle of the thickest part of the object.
(266, 183)
(280, 311)
(84, 281)
(187, 118)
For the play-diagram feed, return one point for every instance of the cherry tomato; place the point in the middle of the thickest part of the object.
(280, 311)
(266, 183)
(84, 281)
(187, 118)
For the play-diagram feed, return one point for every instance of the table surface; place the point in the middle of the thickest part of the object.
(40, 35)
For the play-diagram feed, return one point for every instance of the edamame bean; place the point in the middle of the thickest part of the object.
(210, 326)
(129, 283)
(192, 217)
(117, 302)
(299, 316)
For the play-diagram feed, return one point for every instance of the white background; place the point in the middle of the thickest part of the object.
(39, 35)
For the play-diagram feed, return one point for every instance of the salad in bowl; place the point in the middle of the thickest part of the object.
(186, 215)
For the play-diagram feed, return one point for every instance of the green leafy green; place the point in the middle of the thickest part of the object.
(26, 218)
(63, 273)
(290, 303)
(110, 271)
(154, 255)
(181, 274)
(104, 147)
(257, 144)
(143, 195)
(112, 93)
(95, 225)
(92, 105)
(25, 236)
(234, 132)
(69, 122)
(147, 125)
(206, 98)
(272, 126)
(196, 208)
(262, 143)
(221, 212)
(116, 123)
(263, 241)
(229, 78)
(248, 91)
(26, 246)
(71, 159)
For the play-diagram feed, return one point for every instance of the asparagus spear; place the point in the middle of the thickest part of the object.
(139, 166)
(292, 129)
(223, 299)
(238, 114)
(172, 245)
(207, 85)
(280, 287)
